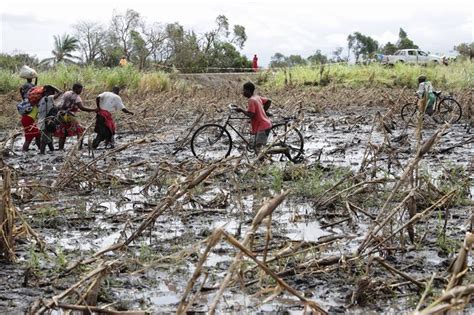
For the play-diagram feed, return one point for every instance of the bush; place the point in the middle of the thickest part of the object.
(456, 75)
(9, 82)
(153, 82)
(94, 79)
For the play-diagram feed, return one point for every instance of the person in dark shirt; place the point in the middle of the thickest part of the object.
(26, 87)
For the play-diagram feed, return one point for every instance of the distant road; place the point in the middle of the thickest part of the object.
(218, 79)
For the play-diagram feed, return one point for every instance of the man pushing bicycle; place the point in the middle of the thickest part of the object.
(257, 112)
(259, 121)
(426, 88)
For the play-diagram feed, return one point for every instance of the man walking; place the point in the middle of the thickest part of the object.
(107, 103)
(256, 110)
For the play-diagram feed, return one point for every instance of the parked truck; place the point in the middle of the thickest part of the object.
(413, 56)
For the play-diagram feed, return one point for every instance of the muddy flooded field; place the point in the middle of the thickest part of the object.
(371, 220)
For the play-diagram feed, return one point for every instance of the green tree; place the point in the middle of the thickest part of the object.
(64, 46)
(465, 50)
(350, 44)
(318, 58)
(139, 51)
(296, 60)
(389, 49)
(404, 42)
(281, 61)
(362, 46)
(278, 60)
(14, 62)
(183, 49)
(240, 37)
(218, 48)
(402, 33)
(213, 37)
(225, 55)
(110, 54)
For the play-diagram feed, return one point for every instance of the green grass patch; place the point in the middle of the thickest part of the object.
(457, 75)
(95, 80)
(9, 82)
(315, 181)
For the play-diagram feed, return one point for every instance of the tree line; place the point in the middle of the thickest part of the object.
(363, 48)
(168, 46)
(158, 45)
(146, 46)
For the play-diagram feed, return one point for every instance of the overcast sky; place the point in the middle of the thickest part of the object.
(288, 27)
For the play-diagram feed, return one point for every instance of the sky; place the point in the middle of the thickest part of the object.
(288, 27)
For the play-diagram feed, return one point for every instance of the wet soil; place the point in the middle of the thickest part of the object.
(86, 216)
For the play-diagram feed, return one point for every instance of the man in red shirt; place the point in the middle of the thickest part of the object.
(257, 107)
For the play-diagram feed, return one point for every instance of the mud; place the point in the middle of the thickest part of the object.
(86, 216)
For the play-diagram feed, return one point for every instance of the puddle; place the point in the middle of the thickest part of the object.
(77, 241)
(164, 299)
(310, 231)
(94, 219)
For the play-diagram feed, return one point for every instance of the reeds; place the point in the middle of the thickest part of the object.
(7, 217)
(373, 194)
(457, 75)
(95, 80)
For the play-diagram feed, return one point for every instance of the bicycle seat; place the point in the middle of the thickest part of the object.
(437, 93)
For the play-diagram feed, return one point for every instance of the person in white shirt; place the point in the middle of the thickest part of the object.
(107, 103)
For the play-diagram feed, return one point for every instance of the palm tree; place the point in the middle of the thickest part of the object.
(63, 47)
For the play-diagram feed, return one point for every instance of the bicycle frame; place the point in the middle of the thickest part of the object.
(286, 120)
(450, 106)
(278, 136)
(439, 98)
(227, 123)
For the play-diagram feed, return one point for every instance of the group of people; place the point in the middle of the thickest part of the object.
(55, 115)
(63, 122)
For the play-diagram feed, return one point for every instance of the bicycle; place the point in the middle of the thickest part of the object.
(446, 109)
(213, 142)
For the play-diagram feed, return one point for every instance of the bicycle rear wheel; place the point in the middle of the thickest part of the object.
(211, 143)
(409, 112)
(449, 111)
(287, 139)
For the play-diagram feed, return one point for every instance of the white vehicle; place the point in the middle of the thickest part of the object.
(415, 56)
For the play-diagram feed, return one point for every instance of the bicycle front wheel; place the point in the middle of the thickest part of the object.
(286, 139)
(409, 112)
(211, 143)
(449, 110)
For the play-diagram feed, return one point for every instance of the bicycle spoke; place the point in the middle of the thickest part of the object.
(211, 143)
(289, 140)
(409, 112)
(449, 110)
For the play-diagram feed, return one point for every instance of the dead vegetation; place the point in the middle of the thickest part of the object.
(380, 215)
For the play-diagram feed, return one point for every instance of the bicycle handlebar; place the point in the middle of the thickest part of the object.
(233, 106)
